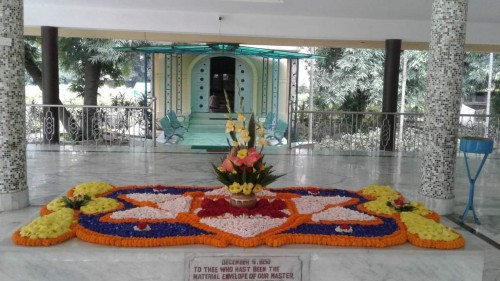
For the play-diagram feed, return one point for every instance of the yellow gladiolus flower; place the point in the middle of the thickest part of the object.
(260, 131)
(262, 142)
(244, 133)
(235, 143)
(238, 128)
(229, 126)
(246, 139)
(241, 117)
(242, 153)
(247, 188)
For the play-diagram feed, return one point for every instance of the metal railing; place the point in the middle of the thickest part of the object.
(375, 131)
(85, 125)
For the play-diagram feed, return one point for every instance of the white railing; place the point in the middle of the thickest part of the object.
(375, 131)
(89, 125)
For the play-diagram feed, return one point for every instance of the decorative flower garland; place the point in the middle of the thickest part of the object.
(149, 216)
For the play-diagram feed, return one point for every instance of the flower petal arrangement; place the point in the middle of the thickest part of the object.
(243, 170)
(162, 215)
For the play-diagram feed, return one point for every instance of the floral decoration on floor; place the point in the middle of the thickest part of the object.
(149, 216)
(243, 171)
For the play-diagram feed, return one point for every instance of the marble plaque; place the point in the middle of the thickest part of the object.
(243, 268)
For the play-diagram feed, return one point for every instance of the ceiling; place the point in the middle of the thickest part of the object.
(302, 22)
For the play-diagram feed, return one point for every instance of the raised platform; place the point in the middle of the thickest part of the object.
(78, 260)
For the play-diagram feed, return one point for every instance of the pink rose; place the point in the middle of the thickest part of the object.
(236, 161)
(227, 165)
(252, 157)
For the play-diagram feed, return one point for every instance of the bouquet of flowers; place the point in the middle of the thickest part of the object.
(243, 170)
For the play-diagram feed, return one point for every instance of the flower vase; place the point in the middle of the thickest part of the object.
(240, 200)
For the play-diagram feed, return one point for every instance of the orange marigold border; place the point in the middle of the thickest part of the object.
(443, 245)
(104, 239)
(270, 237)
(26, 241)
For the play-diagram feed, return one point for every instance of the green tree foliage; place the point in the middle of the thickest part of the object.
(344, 72)
(92, 62)
(476, 71)
(416, 80)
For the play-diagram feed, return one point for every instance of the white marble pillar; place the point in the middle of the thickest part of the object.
(442, 109)
(13, 183)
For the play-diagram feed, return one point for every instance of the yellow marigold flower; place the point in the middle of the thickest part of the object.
(257, 188)
(238, 128)
(379, 207)
(427, 229)
(242, 153)
(241, 117)
(247, 188)
(91, 189)
(420, 209)
(382, 192)
(49, 226)
(235, 188)
(100, 205)
(56, 204)
(262, 142)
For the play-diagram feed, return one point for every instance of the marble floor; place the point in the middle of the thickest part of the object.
(50, 173)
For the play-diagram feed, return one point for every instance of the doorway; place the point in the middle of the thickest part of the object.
(222, 73)
(213, 75)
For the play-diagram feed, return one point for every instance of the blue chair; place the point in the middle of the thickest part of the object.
(269, 122)
(174, 121)
(279, 132)
(169, 131)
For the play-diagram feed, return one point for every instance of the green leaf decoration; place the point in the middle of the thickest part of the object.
(251, 130)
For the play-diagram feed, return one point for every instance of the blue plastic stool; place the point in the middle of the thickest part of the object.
(478, 146)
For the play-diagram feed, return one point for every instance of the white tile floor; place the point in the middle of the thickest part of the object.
(51, 173)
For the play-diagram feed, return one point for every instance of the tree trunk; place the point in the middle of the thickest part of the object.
(91, 118)
(36, 74)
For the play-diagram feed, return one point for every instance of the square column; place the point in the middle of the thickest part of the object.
(442, 108)
(13, 182)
